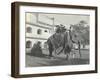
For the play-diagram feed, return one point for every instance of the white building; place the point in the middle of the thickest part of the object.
(39, 27)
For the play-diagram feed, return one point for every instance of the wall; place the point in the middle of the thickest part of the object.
(34, 33)
(32, 21)
(5, 40)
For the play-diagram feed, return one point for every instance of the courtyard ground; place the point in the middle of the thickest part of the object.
(44, 60)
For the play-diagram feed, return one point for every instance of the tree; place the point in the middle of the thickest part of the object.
(82, 31)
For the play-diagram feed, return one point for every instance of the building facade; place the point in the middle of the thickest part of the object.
(39, 27)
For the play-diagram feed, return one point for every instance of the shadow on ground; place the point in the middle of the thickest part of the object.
(43, 60)
(37, 55)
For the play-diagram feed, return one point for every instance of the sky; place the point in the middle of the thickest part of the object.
(67, 19)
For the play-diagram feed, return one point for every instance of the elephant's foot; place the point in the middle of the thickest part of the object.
(67, 57)
(51, 57)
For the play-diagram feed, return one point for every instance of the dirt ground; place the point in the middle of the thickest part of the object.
(57, 60)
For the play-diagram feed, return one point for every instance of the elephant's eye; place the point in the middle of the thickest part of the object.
(75, 35)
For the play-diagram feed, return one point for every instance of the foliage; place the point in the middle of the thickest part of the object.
(82, 30)
(79, 31)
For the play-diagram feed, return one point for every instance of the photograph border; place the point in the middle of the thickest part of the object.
(15, 38)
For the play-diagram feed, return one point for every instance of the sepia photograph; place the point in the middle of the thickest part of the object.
(57, 39)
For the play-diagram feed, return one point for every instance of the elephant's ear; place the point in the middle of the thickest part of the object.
(73, 37)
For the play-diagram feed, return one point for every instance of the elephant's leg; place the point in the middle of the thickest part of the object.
(55, 51)
(50, 48)
(67, 54)
(50, 51)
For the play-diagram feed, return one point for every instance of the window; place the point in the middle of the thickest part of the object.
(45, 31)
(39, 31)
(29, 30)
(28, 44)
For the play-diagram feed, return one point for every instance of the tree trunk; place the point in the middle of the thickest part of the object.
(79, 48)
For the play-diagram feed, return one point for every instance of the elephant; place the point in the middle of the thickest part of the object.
(61, 38)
